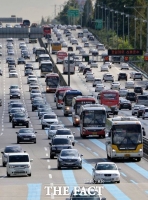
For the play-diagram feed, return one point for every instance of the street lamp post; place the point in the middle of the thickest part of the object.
(112, 19)
(102, 16)
(135, 33)
(123, 24)
(128, 27)
(117, 27)
(105, 18)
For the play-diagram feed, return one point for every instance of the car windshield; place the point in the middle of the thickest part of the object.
(60, 141)
(14, 87)
(18, 158)
(26, 130)
(63, 132)
(17, 105)
(13, 149)
(19, 115)
(106, 167)
(69, 153)
(50, 117)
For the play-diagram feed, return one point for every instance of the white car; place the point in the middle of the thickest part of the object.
(145, 113)
(115, 86)
(53, 128)
(124, 66)
(82, 51)
(135, 109)
(123, 92)
(109, 64)
(48, 119)
(99, 88)
(84, 39)
(88, 73)
(13, 74)
(81, 66)
(105, 172)
(108, 77)
(34, 92)
(74, 41)
(86, 44)
(18, 164)
(14, 87)
(104, 68)
(65, 133)
(97, 81)
(90, 77)
(132, 74)
(129, 84)
(30, 78)
(94, 64)
(100, 46)
(64, 44)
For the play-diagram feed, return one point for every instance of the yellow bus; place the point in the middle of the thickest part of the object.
(55, 47)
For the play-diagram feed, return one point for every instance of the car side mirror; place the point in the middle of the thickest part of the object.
(28, 117)
(81, 155)
(31, 160)
(35, 132)
(50, 143)
(2, 152)
(73, 133)
(16, 132)
(24, 151)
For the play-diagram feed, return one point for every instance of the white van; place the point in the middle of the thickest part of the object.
(72, 65)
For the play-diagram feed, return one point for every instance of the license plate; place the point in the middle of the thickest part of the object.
(20, 124)
(127, 155)
(26, 138)
(94, 133)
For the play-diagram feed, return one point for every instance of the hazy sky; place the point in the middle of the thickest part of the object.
(30, 9)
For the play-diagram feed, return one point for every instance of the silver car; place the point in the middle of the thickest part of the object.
(135, 109)
(53, 129)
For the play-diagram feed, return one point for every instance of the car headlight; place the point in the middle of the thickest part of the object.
(115, 174)
(53, 148)
(26, 166)
(98, 174)
(33, 136)
(12, 166)
(67, 108)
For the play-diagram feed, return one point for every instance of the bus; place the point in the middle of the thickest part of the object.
(55, 47)
(72, 65)
(76, 104)
(39, 51)
(92, 120)
(43, 57)
(52, 82)
(46, 67)
(110, 100)
(59, 95)
(125, 138)
(61, 55)
(67, 100)
(47, 31)
(26, 23)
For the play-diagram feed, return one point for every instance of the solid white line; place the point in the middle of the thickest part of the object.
(48, 160)
(45, 148)
(50, 175)
(49, 167)
(46, 154)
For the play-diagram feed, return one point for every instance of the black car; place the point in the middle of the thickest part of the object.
(28, 72)
(138, 90)
(36, 104)
(13, 111)
(15, 94)
(86, 70)
(21, 61)
(91, 38)
(26, 55)
(11, 62)
(122, 76)
(28, 66)
(20, 119)
(140, 111)
(26, 135)
(11, 67)
(124, 104)
(131, 96)
(57, 144)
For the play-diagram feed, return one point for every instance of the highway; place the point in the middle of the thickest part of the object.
(134, 175)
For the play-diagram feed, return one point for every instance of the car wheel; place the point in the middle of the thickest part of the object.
(27, 126)
(80, 167)
(8, 175)
(138, 159)
(130, 108)
(4, 165)
(143, 118)
(118, 181)
(13, 126)
(59, 166)
(42, 127)
(51, 156)
(29, 174)
(9, 119)
(94, 180)
(35, 142)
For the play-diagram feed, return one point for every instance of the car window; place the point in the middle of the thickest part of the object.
(13, 149)
(63, 132)
(18, 158)
(59, 141)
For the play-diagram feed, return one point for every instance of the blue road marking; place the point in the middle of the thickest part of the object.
(133, 182)
(96, 154)
(98, 143)
(69, 179)
(34, 191)
(138, 169)
(123, 174)
(146, 191)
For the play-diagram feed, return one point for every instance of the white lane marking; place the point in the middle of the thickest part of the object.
(49, 167)
(88, 148)
(48, 160)
(45, 148)
(50, 176)
(46, 154)
(81, 144)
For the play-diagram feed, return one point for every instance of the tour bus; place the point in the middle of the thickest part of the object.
(71, 65)
(125, 138)
(26, 23)
(52, 82)
(67, 100)
(42, 57)
(110, 100)
(39, 51)
(59, 95)
(55, 47)
(46, 67)
(61, 55)
(92, 120)
(46, 31)
(76, 104)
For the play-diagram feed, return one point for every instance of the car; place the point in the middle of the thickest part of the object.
(20, 119)
(15, 94)
(132, 74)
(145, 113)
(94, 64)
(115, 85)
(13, 111)
(91, 38)
(90, 77)
(33, 87)
(140, 111)
(33, 50)
(35, 91)
(135, 109)
(77, 60)
(11, 67)
(138, 90)
(102, 169)
(74, 41)
(43, 111)
(57, 144)
(16, 104)
(84, 39)
(81, 67)
(10, 52)
(1, 72)
(10, 149)
(10, 40)
(82, 51)
(18, 164)
(32, 40)
(137, 75)
(28, 72)
(14, 87)
(22, 44)
(31, 78)
(8, 59)
(146, 86)
(108, 77)
(69, 158)
(64, 44)
(100, 47)
(21, 61)
(109, 64)
(53, 128)
(36, 103)
(124, 66)
(28, 66)
(124, 104)
(48, 119)
(104, 68)
(11, 62)
(79, 27)
(86, 69)
(80, 35)
(131, 96)
(26, 135)
(13, 74)
(96, 81)
(0, 102)
(65, 133)
(37, 96)
(122, 76)
(99, 87)
(130, 84)
(123, 92)
(26, 55)
(94, 52)
(86, 44)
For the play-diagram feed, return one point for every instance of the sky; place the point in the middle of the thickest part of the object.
(30, 9)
